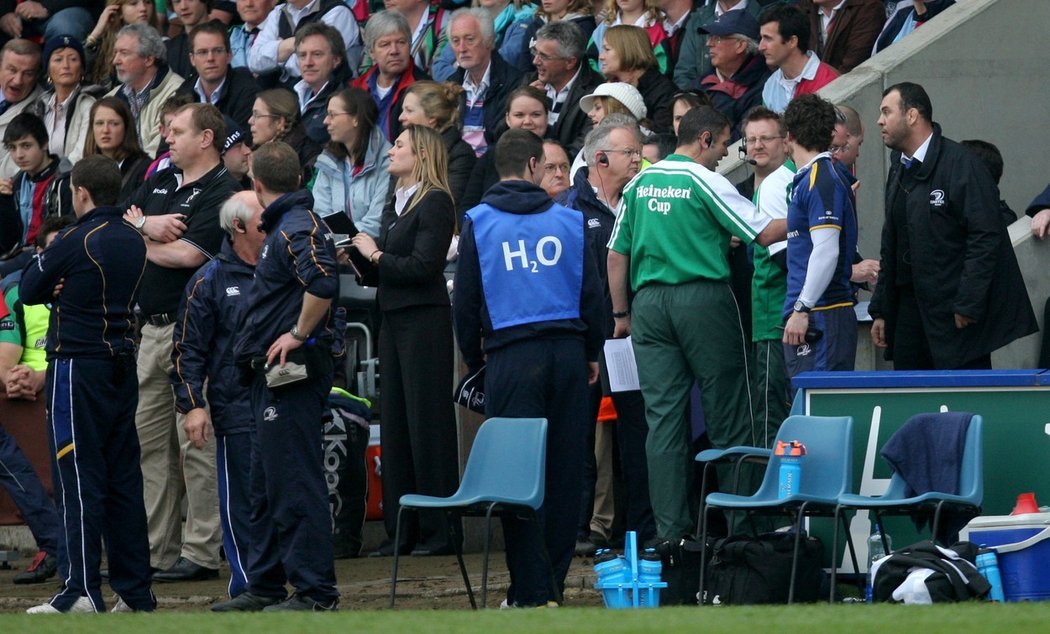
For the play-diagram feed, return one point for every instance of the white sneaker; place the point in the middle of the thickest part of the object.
(120, 606)
(83, 605)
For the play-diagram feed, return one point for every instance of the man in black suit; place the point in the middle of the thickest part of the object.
(565, 75)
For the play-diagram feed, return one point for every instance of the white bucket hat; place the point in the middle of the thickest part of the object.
(623, 92)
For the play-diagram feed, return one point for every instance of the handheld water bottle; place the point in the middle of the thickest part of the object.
(791, 453)
(649, 570)
(610, 568)
(988, 565)
(876, 551)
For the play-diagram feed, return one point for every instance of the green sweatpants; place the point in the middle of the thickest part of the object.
(684, 334)
(771, 390)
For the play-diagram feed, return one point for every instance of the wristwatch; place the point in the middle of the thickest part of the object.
(800, 307)
(140, 223)
(294, 332)
(621, 315)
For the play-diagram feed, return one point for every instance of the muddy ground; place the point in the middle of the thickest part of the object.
(364, 583)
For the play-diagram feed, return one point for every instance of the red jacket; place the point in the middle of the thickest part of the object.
(823, 77)
(412, 74)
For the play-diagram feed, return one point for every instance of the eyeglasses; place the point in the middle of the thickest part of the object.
(552, 168)
(755, 140)
(839, 149)
(205, 52)
(627, 153)
(543, 56)
(715, 40)
(262, 115)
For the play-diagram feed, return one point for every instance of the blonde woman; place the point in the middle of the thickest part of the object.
(436, 106)
(415, 340)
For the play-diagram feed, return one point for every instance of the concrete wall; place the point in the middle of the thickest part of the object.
(981, 63)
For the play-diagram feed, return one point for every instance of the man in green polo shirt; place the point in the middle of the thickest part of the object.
(670, 243)
(764, 139)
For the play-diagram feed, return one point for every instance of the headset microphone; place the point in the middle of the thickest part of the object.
(744, 157)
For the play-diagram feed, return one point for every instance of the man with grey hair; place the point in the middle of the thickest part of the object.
(387, 39)
(209, 316)
(19, 69)
(694, 62)
(146, 81)
(487, 79)
(564, 74)
(735, 85)
(273, 51)
(612, 152)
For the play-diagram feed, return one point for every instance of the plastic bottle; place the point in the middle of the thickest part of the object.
(875, 552)
(609, 567)
(988, 565)
(649, 570)
(790, 474)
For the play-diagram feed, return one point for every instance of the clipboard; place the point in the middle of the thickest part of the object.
(343, 231)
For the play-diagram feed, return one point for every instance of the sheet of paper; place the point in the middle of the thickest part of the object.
(619, 361)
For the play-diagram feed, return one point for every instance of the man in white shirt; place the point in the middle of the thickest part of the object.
(274, 47)
(784, 34)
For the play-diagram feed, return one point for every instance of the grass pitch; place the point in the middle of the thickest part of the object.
(806, 619)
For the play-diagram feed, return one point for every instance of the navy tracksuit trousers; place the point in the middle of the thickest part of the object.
(98, 480)
(25, 488)
(233, 462)
(291, 524)
(544, 378)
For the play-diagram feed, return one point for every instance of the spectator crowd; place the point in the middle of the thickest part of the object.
(240, 140)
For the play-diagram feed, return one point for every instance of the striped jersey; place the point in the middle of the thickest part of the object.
(675, 221)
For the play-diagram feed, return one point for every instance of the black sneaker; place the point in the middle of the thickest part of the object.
(299, 603)
(245, 602)
(186, 570)
(43, 567)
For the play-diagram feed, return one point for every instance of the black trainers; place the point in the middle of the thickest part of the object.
(299, 603)
(245, 602)
(186, 570)
(43, 567)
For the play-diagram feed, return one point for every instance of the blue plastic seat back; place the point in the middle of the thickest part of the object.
(827, 467)
(508, 461)
(971, 468)
(971, 478)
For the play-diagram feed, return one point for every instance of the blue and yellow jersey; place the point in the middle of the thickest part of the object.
(821, 200)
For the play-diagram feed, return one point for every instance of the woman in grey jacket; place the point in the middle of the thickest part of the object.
(351, 176)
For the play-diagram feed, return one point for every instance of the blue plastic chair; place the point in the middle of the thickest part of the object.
(827, 473)
(896, 501)
(505, 473)
(734, 456)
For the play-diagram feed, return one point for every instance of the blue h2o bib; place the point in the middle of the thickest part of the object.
(531, 264)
